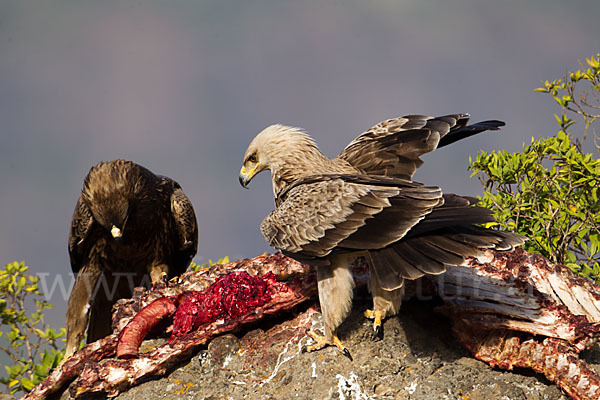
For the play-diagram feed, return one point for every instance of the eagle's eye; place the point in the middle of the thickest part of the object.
(252, 158)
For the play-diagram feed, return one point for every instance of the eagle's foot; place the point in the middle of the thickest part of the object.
(159, 275)
(377, 316)
(159, 279)
(321, 342)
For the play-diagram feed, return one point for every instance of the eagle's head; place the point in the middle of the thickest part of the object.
(284, 150)
(112, 213)
(109, 191)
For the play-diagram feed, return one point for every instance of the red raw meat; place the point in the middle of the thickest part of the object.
(230, 297)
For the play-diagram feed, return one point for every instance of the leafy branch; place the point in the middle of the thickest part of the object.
(578, 94)
(549, 191)
(210, 263)
(27, 340)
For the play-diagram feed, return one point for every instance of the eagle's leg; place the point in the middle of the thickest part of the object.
(385, 302)
(335, 284)
(112, 286)
(79, 306)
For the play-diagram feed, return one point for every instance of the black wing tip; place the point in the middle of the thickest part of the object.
(463, 132)
(491, 125)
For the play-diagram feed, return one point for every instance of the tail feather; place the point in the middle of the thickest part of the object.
(419, 260)
(430, 253)
(386, 264)
(78, 306)
(436, 252)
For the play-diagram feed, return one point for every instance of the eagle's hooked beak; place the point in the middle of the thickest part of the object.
(246, 176)
(116, 232)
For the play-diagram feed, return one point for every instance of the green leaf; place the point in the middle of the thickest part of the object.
(27, 384)
(551, 188)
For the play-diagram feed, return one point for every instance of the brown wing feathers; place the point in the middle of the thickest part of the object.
(444, 237)
(413, 257)
(409, 229)
(81, 225)
(317, 217)
(156, 229)
(393, 147)
(404, 211)
(186, 229)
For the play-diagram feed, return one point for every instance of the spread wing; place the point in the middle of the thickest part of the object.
(347, 213)
(393, 147)
(187, 229)
(80, 235)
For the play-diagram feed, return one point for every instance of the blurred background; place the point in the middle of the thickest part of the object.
(182, 87)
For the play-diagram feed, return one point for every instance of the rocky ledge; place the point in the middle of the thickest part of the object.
(418, 358)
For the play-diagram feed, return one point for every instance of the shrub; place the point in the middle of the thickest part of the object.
(210, 263)
(27, 341)
(549, 191)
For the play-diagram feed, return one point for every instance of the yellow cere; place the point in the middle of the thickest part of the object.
(244, 172)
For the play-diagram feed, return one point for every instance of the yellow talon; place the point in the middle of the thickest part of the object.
(322, 341)
(377, 316)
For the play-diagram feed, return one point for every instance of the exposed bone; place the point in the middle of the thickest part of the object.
(113, 376)
(523, 292)
(554, 358)
(519, 310)
(510, 309)
(88, 357)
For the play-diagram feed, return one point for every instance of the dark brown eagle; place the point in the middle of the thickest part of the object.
(365, 203)
(130, 228)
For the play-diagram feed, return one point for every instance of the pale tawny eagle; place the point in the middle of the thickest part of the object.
(364, 202)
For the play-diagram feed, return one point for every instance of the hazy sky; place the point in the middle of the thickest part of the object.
(181, 87)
